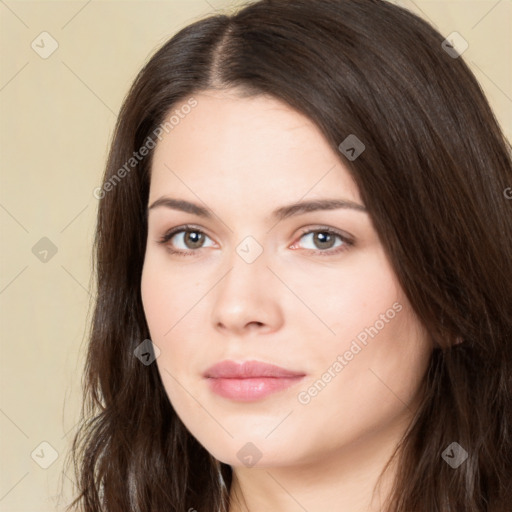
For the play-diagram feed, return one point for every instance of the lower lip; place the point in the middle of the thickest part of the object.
(248, 390)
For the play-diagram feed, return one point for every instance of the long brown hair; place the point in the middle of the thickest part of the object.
(434, 176)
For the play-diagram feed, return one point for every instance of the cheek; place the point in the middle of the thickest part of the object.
(170, 302)
(163, 308)
(375, 362)
(167, 295)
(371, 377)
(365, 397)
(352, 298)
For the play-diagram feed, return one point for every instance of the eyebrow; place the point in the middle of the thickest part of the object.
(280, 213)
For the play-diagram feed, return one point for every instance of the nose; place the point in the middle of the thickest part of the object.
(247, 298)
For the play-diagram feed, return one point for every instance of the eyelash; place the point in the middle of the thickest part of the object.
(347, 242)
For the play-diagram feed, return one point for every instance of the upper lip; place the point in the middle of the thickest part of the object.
(247, 369)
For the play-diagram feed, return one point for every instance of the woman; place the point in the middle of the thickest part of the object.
(303, 257)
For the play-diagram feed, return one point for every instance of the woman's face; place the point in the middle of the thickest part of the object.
(249, 284)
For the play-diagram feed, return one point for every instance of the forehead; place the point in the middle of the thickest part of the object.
(247, 148)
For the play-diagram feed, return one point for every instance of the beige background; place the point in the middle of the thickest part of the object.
(57, 117)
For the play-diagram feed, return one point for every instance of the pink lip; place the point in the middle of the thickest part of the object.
(250, 380)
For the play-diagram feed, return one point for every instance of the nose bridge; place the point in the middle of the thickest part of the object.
(245, 294)
(249, 250)
(248, 264)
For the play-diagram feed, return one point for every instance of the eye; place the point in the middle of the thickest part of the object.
(192, 237)
(324, 239)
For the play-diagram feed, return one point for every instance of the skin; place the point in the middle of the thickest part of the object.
(243, 158)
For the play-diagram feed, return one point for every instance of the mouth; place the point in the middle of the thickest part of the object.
(250, 380)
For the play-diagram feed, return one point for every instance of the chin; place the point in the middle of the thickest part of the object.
(253, 451)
